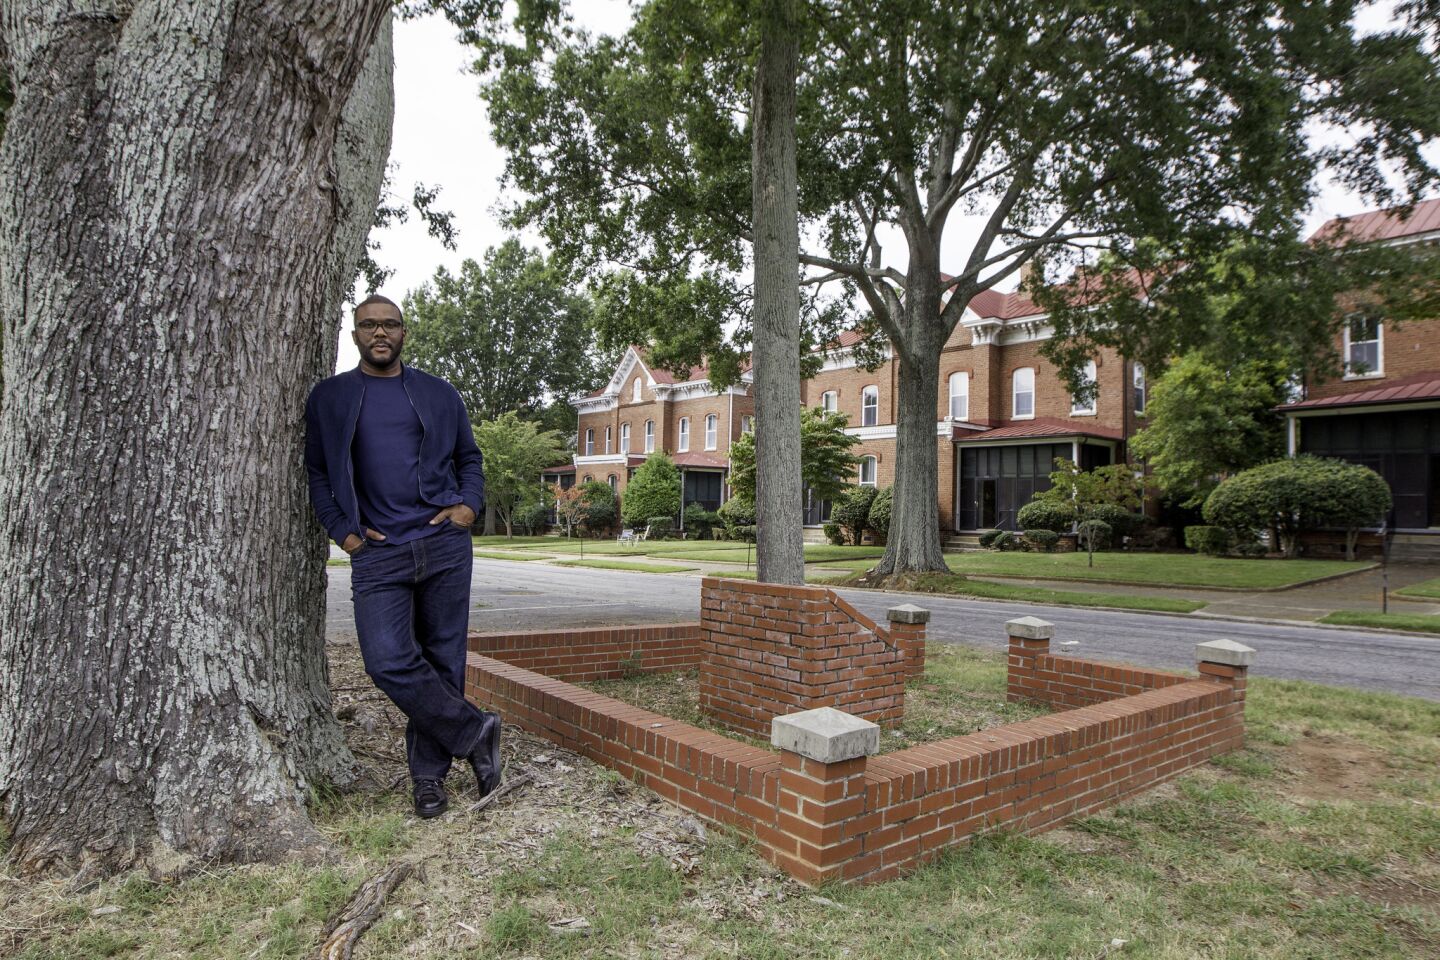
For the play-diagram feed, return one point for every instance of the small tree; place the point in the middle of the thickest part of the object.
(654, 491)
(1355, 497)
(1289, 496)
(853, 511)
(516, 451)
(569, 506)
(826, 463)
(880, 508)
(597, 503)
(1092, 495)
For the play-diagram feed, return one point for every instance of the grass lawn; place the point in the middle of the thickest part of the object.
(964, 587)
(1428, 589)
(653, 548)
(607, 564)
(816, 577)
(1155, 569)
(814, 553)
(1414, 622)
(337, 561)
(1319, 840)
(516, 541)
(508, 555)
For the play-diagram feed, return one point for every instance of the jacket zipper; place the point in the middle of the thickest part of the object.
(424, 432)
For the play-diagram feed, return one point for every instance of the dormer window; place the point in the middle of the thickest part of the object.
(1363, 356)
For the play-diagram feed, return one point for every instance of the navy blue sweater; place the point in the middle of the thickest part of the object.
(450, 467)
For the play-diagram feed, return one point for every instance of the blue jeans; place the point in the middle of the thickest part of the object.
(412, 608)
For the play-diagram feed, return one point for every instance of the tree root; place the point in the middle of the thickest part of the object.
(344, 929)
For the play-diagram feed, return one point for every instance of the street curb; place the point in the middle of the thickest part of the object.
(1176, 586)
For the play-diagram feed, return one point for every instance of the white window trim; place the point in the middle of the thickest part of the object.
(607, 439)
(635, 391)
(962, 377)
(830, 401)
(590, 441)
(747, 424)
(1091, 375)
(624, 438)
(865, 394)
(1379, 370)
(1139, 384)
(1015, 395)
(683, 446)
(874, 471)
(649, 436)
(712, 431)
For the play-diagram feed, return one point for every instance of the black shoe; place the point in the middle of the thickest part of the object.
(430, 799)
(485, 758)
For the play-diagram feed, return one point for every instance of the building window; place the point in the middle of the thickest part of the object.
(712, 424)
(867, 472)
(624, 438)
(829, 401)
(1083, 403)
(869, 406)
(747, 424)
(1023, 397)
(684, 434)
(635, 391)
(1137, 381)
(589, 442)
(1362, 347)
(959, 396)
(613, 480)
(607, 439)
(649, 436)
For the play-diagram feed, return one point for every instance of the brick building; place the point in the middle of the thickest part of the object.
(1384, 411)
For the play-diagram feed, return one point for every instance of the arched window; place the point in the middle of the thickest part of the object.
(712, 424)
(624, 438)
(613, 480)
(1023, 396)
(959, 395)
(635, 391)
(867, 471)
(684, 443)
(589, 442)
(869, 406)
(1137, 380)
(1083, 403)
(649, 436)
(829, 401)
(607, 439)
(747, 424)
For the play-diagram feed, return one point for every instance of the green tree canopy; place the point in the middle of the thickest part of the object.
(510, 334)
(1066, 127)
(516, 451)
(654, 491)
(826, 464)
(1204, 422)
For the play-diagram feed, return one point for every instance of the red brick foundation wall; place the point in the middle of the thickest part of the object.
(769, 650)
(602, 653)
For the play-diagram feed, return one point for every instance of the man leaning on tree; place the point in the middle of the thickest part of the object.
(396, 480)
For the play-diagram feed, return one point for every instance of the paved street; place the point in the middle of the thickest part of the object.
(534, 595)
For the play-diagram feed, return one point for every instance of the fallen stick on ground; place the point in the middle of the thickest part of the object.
(500, 791)
(345, 928)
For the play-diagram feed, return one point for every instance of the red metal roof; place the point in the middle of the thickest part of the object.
(1389, 224)
(563, 468)
(699, 460)
(1037, 429)
(1424, 386)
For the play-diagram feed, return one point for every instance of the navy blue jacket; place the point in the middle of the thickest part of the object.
(450, 467)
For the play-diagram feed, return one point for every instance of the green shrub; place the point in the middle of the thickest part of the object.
(660, 528)
(1004, 540)
(1122, 522)
(1094, 534)
(737, 512)
(1045, 515)
(746, 533)
(879, 516)
(834, 533)
(699, 521)
(1211, 541)
(598, 502)
(1253, 549)
(987, 538)
(533, 519)
(654, 491)
(1043, 540)
(853, 511)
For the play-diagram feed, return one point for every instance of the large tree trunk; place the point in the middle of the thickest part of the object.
(181, 206)
(913, 544)
(780, 548)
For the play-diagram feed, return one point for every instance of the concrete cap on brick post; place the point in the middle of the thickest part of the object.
(825, 734)
(1030, 628)
(908, 613)
(1227, 652)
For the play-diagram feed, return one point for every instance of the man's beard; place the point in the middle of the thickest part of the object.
(367, 354)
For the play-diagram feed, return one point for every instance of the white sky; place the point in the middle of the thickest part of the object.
(442, 138)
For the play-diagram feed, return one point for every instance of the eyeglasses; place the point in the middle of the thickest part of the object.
(370, 326)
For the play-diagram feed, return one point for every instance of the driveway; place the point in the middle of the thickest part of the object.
(510, 595)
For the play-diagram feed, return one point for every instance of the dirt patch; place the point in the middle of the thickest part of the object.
(1319, 767)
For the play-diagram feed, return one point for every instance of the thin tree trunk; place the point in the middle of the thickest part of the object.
(184, 188)
(489, 519)
(780, 548)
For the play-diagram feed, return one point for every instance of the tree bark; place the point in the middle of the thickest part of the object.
(489, 529)
(780, 548)
(184, 190)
